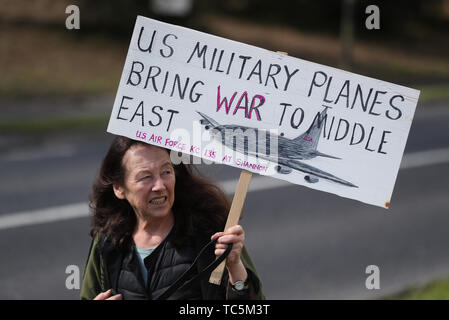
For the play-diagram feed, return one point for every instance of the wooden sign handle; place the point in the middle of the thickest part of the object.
(233, 218)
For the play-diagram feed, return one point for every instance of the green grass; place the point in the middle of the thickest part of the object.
(53, 62)
(434, 92)
(436, 290)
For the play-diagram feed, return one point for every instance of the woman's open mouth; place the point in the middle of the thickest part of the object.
(157, 201)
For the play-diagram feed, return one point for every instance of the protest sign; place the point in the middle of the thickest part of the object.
(263, 111)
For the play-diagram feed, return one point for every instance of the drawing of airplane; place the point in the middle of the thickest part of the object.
(247, 140)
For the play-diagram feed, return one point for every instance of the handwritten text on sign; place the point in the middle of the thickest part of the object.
(262, 111)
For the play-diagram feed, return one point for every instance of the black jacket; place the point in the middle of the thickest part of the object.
(110, 266)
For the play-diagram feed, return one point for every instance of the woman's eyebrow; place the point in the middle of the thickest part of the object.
(168, 163)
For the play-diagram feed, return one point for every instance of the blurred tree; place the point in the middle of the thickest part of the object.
(347, 33)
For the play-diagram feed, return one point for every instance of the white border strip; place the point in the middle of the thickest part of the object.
(258, 183)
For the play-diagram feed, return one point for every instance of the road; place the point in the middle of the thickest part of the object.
(306, 244)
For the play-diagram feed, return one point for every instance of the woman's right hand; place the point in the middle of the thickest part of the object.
(107, 296)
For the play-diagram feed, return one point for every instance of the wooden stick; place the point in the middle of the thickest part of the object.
(234, 213)
(233, 217)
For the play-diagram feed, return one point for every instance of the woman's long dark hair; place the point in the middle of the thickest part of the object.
(200, 207)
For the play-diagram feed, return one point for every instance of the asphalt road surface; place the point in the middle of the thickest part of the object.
(306, 244)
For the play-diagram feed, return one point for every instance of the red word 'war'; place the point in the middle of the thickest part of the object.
(256, 102)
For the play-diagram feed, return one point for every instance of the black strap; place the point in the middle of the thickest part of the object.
(183, 281)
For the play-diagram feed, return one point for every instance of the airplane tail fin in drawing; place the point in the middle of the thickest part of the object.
(208, 120)
(309, 139)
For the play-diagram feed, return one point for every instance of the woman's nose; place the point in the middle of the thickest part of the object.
(158, 184)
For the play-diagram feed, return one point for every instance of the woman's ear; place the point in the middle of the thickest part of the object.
(119, 191)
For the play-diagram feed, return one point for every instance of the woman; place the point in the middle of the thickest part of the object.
(150, 221)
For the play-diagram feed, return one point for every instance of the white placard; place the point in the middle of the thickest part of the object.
(262, 111)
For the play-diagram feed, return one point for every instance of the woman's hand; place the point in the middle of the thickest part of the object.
(107, 296)
(236, 236)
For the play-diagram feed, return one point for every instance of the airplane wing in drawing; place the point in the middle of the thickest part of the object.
(286, 166)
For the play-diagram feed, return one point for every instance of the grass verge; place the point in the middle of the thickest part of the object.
(434, 92)
(436, 290)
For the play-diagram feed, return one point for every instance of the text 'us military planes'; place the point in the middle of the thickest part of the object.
(255, 142)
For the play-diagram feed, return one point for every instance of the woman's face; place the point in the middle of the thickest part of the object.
(149, 184)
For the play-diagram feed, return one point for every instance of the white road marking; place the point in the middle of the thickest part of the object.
(425, 158)
(258, 183)
(41, 153)
(65, 212)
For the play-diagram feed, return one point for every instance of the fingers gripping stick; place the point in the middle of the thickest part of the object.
(233, 217)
